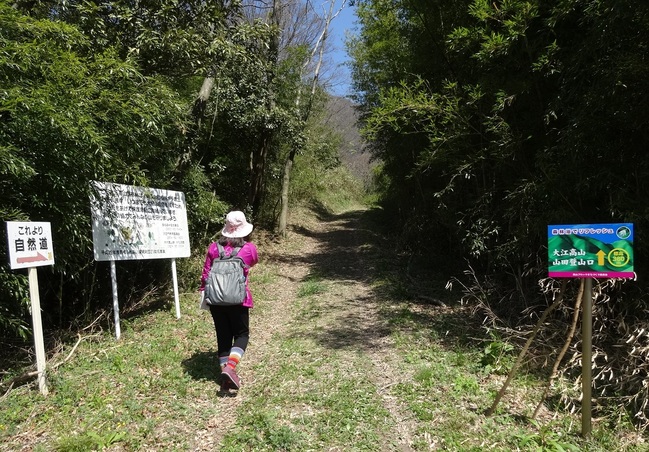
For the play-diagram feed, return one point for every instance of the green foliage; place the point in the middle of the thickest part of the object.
(104, 91)
(466, 385)
(90, 441)
(264, 432)
(318, 175)
(515, 115)
(162, 37)
(546, 440)
(312, 285)
(496, 357)
(70, 116)
(491, 149)
(14, 289)
(379, 59)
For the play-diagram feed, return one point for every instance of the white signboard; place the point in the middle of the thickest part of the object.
(30, 244)
(130, 223)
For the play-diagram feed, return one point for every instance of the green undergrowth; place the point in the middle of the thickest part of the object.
(310, 396)
(309, 402)
(457, 368)
(349, 364)
(340, 191)
(140, 391)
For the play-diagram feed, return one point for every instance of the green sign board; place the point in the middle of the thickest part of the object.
(591, 251)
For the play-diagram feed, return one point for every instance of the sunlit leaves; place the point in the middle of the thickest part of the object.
(68, 118)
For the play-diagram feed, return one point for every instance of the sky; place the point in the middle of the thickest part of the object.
(343, 22)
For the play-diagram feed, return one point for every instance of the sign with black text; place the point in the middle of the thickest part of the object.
(131, 223)
(30, 244)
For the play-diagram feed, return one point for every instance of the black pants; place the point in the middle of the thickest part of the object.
(232, 327)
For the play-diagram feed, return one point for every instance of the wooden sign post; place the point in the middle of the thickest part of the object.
(30, 246)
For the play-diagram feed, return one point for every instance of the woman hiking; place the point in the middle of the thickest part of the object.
(231, 321)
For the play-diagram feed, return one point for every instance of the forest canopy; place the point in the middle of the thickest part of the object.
(493, 120)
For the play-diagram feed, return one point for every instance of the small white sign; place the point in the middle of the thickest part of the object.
(30, 244)
(131, 223)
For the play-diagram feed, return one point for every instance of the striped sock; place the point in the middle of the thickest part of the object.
(223, 360)
(235, 356)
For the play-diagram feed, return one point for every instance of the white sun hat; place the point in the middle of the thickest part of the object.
(236, 225)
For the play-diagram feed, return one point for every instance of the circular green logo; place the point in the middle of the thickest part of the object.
(618, 257)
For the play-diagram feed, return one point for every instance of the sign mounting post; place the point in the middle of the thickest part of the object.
(588, 251)
(30, 246)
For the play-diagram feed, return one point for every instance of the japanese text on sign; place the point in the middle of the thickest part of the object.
(591, 251)
(138, 223)
(30, 244)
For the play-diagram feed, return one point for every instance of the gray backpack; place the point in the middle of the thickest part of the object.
(226, 282)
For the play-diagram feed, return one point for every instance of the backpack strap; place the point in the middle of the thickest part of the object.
(221, 251)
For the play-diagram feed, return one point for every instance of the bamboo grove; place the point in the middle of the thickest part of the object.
(495, 119)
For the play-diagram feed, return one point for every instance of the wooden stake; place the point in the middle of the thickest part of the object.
(557, 362)
(513, 370)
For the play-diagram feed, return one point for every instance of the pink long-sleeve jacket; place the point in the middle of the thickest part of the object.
(248, 253)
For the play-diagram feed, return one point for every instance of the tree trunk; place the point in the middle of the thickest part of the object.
(283, 217)
(200, 103)
(259, 155)
(258, 159)
(288, 166)
(198, 111)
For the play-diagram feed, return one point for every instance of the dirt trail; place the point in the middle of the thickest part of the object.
(339, 249)
(357, 304)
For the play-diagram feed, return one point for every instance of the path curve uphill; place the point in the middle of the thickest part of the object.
(321, 362)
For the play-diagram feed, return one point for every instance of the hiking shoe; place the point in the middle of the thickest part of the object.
(230, 378)
(226, 384)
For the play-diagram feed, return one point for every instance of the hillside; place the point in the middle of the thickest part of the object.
(343, 117)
